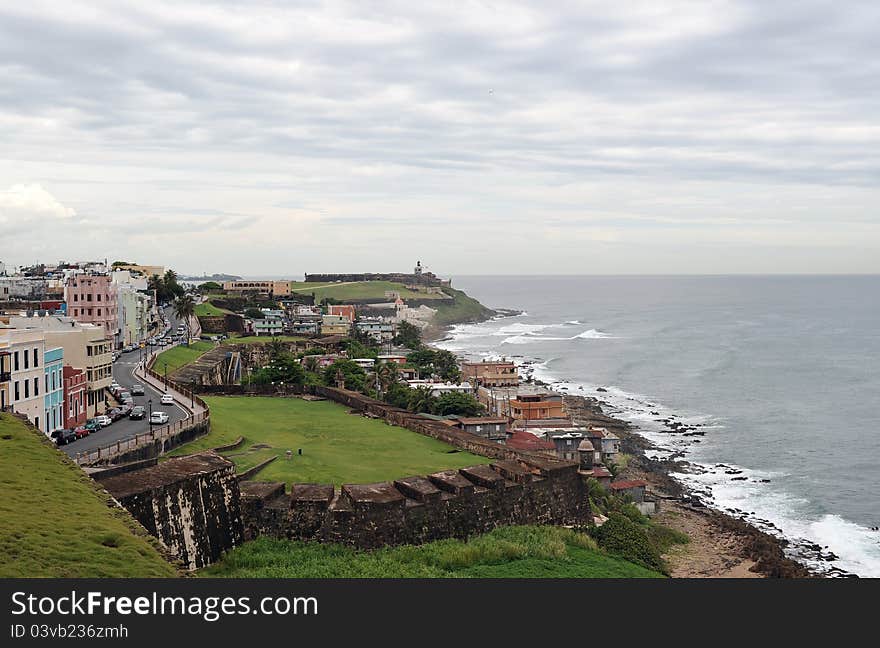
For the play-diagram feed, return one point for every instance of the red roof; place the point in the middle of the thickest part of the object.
(527, 441)
(599, 471)
(631, 483)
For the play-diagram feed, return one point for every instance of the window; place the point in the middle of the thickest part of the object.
(15, 357)
(17, 395)
(36, 359)
(36, 386)
(99, 312)
(99, 298)
(75, 297)
(27, 389)
(89, 297)
(26, 360)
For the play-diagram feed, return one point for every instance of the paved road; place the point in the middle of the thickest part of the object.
(126, 428)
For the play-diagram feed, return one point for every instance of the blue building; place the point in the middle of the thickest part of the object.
(53, 370)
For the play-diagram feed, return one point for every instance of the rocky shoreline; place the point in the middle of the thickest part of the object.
(723, 535)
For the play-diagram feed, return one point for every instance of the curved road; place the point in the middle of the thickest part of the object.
(125, 428)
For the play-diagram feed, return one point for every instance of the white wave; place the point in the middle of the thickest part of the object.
(592, 334)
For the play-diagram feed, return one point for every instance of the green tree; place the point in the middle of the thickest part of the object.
(398, 395)
(184, 309)
(347, 372)
(421, 400)
(388, 374)
(457, 403)
(281, 369)
(408, 335)
(254, 313)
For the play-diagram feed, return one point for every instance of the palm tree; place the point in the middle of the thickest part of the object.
(185, 308)
(421, 400)
(310, 363)
(275, 347)
(388, 374)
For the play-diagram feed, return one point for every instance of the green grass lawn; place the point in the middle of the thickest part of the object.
(338, 447)
(261, 339)
(507, 552)
(55, 521)
(357, 290)
(207, 309)
(181, 355)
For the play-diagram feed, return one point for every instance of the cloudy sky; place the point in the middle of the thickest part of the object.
(480, 137)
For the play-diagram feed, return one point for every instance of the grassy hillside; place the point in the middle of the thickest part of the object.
(56, 522)
(460, 310)
(338, 447)
(343, 291)
(207, 309)
(508, 552)
(178, 356)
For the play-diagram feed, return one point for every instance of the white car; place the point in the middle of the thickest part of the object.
(103, 421)
(167, 399)
(158, 418)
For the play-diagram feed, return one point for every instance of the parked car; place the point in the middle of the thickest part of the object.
(63, 437)
(81, 432)
(137, 390)
(167, 399)
(159, 418)
(115, 413)
(103, 420)
(92, 425)
(137, 413)
(114, 386)
(124, 397)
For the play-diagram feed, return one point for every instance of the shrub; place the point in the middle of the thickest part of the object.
(662, 537)
(623, 537)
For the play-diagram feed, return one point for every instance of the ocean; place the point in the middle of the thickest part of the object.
(778, 374)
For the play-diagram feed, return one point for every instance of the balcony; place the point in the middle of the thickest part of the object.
(5, 376)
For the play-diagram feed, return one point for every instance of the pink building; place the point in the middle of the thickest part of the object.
(74, 397)
(91, 299)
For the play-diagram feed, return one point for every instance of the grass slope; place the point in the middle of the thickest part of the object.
(338, 447)
(181, 355)
(55, 522)
(261, 339)
(507, 552)
(461, 309)
(358, 290)
(207, 309)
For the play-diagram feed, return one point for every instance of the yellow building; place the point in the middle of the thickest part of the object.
(273, 288)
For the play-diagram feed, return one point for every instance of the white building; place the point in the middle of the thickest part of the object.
(439, 388)
(27, 348)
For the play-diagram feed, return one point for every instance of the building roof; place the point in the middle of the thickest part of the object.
(528, 441)
(480, 420)
(629, 483)
(585, 446)
(601, 471)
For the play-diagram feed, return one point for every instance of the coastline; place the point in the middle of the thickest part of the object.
(722, 545)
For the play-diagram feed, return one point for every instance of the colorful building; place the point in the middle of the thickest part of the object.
(335, 325)
(75, 388)
(86, 347)
(27, 349)
(53, 399)
(491, 373)
(345, 310)
(271, 288)
(91, 299)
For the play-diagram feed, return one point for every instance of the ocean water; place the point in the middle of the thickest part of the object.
(780, 375)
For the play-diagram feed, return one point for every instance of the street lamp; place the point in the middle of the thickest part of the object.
(150, 419)
(166, 375)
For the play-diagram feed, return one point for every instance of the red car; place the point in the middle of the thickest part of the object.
(81, 432)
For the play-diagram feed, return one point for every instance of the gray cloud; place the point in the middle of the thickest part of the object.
(647, 131)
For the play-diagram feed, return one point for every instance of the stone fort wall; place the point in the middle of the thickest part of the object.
(419, 509)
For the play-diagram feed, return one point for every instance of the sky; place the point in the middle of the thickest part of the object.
(277, 138)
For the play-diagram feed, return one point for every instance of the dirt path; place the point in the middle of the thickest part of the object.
(711, 553)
